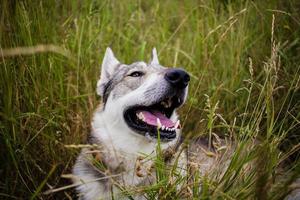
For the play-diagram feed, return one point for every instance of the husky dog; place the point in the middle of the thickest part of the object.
(139, 103)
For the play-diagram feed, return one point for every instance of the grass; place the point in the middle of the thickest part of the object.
(243, 57)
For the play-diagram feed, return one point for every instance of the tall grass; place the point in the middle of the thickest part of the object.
(243, 58)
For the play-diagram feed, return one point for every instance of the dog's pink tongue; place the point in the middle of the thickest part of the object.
(151, 118)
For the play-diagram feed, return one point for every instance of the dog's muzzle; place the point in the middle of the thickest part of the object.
(155, 118)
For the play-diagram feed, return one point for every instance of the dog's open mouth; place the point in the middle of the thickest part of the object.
(154, 118)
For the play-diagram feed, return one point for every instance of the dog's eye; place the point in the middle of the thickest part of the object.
(136, 74)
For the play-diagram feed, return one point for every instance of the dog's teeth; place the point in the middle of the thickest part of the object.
(158, 123)
(169, 102)
(163, 127)
(141, 116)
(164, 104)
(177, 124)
(179, 100)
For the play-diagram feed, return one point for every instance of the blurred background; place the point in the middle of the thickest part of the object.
(243, 57)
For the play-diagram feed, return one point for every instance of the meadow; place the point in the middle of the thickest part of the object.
(243, 58)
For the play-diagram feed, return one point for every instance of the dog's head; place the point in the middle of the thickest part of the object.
(142, 97)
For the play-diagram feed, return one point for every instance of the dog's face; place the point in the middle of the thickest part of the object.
(142, 97)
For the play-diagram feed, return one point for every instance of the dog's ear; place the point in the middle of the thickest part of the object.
(154, 60)
(109, 65)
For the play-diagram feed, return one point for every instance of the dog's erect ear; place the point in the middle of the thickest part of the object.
(154, 60)
(109, 65)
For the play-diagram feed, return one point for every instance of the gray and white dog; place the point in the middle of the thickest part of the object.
(139, 101)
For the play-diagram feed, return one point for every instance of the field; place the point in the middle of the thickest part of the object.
(243, 58)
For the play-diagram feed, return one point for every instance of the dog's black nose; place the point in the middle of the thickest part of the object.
(177, 77)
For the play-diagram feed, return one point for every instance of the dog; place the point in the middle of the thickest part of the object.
(137, 110)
